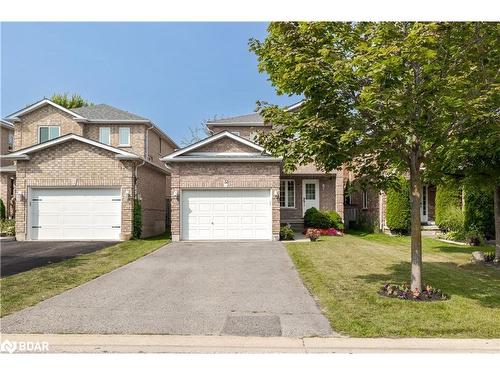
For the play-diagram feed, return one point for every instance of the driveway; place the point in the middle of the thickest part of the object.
(24, 255)
(186, 288)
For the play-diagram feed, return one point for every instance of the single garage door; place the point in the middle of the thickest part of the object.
(75, 214)
(226, 215)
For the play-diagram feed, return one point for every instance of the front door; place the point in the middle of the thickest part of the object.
(310, 194)
(424, 205)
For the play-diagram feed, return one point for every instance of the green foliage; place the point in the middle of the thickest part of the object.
(67, 101)
(322, 219)
(2, 210)
(286, 233)
(479, 212)
(398, 213)
(137, 231)
(449, 216)
(7, 228)
(308, 215)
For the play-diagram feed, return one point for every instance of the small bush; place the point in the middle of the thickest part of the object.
(7, 228)
(474, 236)
(308, 216)
(398, 213)
(2, 210)
(313, 234)
(137, 232)
(453, 220)
(335, 220)
(286, 233)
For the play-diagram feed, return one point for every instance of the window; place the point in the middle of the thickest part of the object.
(254, 137)
(105, 135)
(10, 141)
(124, 137)
(46, 133)
(311, 191)
(287, 193)
(348, 200)
(236, 133)
(365, 199)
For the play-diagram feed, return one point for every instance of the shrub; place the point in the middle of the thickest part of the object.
(308, 216)
(398, 213)
(286, 233)
(313, 234)
(7, 228)
(137, 231)
(2, 210)
(335, 220)
(479, 212)
(449, 215)
(320, 220)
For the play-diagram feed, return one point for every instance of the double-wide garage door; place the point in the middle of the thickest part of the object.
(75, 214)
(226, 215)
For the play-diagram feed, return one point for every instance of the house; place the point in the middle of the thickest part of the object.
(227, 187)
(368, 205)
(76, 172)
(7, 168)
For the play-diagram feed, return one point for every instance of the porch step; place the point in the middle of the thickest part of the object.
(430, 227)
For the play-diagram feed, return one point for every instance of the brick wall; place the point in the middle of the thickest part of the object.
(137, 134)
(74, 164)
(26, 133)
(151, 186)
(213, 176)
(4, 145)
(245, 131)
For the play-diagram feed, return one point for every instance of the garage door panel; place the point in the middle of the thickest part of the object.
(230, 214)
(75, 214)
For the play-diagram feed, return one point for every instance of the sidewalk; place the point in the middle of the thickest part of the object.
(77, 343)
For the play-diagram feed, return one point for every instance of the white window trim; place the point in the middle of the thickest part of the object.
(48, 126)
(109, 135)
(286, 193)
(124, 144)
(10, 141)
(364, 198)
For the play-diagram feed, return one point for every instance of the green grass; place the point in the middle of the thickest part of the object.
(345, 273)
(28, 288)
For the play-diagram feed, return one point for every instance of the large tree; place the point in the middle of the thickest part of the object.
(70, 101)
(381, 98)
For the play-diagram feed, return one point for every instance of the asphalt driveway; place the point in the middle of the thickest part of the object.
(186, 288)
(24, 255)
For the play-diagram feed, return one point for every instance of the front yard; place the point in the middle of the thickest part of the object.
(28, 288)
(345, 273)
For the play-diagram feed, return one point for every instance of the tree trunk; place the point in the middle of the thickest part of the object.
(496, 201)
(416, 235)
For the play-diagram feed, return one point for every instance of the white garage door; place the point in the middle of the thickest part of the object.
(226, 215)
(75, 214)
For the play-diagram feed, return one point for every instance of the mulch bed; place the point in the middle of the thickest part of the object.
(429, 294)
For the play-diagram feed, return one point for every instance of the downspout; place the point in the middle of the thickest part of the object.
(146, 148)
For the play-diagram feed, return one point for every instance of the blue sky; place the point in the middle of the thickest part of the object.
(176, 74)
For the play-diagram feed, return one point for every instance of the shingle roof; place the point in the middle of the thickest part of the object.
(252, 118)
(106, 112)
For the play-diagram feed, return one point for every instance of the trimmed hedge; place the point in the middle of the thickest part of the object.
(479, 212)
(322, 219)
(398, 215)
(2, 210)
(449, 215)
(137, 224)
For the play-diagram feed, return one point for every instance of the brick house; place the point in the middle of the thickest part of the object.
(227, 187)
(76, 172)
(7, 167)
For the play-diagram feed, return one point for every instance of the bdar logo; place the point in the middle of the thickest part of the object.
(8, 346)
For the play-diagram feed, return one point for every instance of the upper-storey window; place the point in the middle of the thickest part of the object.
(236, 133)
(254, 137)
(10, 141)
(105, 135)
(46, 133)
(124, 137)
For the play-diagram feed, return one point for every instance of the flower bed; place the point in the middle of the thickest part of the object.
(429, 294)
(326, 232)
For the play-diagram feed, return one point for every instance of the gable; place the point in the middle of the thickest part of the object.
(225, 145)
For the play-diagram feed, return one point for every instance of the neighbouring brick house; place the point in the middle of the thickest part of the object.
(77, 172)
(227, 187)
(368, 204)
(7, 167)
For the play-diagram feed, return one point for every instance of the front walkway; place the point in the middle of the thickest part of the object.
(232, 344)
(186, 288)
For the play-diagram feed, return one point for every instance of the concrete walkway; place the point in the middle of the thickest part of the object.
(186, 288)
(233, 344)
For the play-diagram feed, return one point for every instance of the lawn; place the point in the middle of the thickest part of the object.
(345, 273)
(28, 288)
